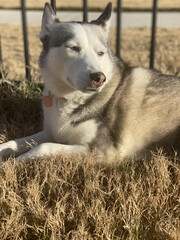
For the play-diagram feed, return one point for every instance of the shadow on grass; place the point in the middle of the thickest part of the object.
(20, 109)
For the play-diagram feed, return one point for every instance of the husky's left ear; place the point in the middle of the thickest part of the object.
(104, 19)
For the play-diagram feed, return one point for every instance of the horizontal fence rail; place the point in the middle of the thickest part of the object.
(85, 19)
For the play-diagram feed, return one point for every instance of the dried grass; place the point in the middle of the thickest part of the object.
(73, 198)
(64, 198)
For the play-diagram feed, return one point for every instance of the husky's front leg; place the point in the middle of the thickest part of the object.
(19, 146)
(53, 149)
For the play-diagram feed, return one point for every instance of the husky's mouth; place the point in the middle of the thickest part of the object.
(87, 89)
(92, 89)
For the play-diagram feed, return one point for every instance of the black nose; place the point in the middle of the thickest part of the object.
(98, 77)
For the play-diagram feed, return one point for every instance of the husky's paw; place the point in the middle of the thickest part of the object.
(36, 152)
(7, 149)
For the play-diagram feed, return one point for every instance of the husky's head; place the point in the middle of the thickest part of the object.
(75, 55)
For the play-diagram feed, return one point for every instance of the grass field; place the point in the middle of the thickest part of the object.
(135, 4)
(73, 198)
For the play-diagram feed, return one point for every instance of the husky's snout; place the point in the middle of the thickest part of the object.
(97, 78)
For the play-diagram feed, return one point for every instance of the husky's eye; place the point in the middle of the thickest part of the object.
(100, 53)
(75, 49)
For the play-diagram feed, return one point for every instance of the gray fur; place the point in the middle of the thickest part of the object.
(151, 123)
(59, 35)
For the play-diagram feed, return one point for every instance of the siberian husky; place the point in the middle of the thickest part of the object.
(94, 101)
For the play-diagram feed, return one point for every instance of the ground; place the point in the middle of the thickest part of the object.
(73, 198)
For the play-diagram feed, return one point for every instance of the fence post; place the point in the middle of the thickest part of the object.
(1, 62)
(26, 48)
(118, 28)
(1, 59)
(53, 4)
(153, 34)
(85, 14)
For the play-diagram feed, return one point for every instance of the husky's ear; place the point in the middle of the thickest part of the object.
(104, 19)
(49, 19)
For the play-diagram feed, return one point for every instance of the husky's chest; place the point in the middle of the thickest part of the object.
(58, 123)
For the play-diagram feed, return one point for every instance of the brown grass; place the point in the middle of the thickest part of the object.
(141, 4)
(60, 198)
(73, 198)
(64, 198)
(135, 49)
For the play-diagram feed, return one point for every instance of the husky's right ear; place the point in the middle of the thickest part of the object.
(49, 20)
(104, 18)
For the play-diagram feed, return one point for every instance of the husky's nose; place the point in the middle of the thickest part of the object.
(98, 78)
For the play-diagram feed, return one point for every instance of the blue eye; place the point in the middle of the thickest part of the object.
(100, 53)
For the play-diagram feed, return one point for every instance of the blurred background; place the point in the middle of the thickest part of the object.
(136, 24)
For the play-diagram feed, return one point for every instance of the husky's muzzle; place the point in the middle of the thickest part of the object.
(97, 78)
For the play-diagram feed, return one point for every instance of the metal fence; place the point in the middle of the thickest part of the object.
(85, 19)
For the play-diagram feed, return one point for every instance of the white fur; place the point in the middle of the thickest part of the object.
(57, 122)
(67, 77)
(68, 70)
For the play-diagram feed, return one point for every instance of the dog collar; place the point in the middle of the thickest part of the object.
(48, 100)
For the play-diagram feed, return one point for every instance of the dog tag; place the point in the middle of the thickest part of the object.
(47, 101)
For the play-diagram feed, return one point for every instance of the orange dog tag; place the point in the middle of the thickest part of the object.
(47, 101)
